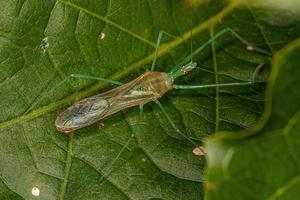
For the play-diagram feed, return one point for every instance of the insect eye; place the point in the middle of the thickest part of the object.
(187, 72)
(182, 66)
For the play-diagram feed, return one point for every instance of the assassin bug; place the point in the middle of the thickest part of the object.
(148, 87)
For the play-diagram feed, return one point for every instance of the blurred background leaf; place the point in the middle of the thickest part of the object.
(264, 165)
(42, 42)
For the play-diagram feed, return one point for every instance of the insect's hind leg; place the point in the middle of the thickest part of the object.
(159, 38)
(172, 122)
(135, 131)
(65, 80)
(249, 46)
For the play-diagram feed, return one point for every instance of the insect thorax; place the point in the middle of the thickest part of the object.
(156, 82)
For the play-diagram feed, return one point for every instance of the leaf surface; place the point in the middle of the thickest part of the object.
(42, 43)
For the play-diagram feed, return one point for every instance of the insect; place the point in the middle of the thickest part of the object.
(148, 87)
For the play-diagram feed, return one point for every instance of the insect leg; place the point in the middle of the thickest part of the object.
(159, 38)
(172, 122)
(249, 82)
(65, 80)
(135, 131)
(211, 85)
(249, 46)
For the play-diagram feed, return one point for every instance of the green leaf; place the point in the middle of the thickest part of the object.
(264, 163)
(43, 42)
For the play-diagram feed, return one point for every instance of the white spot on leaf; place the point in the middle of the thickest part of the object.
(102, 36)
(45, 45)
(250, 48)
(199, 151)
(35, 191)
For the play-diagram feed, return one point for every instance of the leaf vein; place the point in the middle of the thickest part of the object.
(106, 20)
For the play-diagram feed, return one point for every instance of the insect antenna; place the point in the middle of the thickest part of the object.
(191, 34)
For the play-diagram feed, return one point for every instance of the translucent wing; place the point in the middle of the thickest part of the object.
(145, 88)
